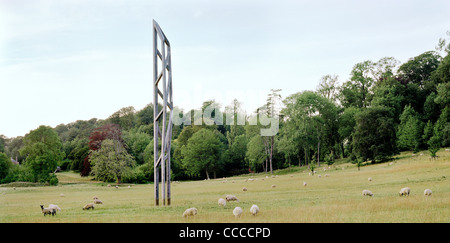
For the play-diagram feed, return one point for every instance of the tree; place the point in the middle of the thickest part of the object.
(108, 131)
(5, 164)
(137, 142)
(111, 161)
(374, 136)
(418, 69)
(255, 152)
(271, 109)
(202, 153)
(311, 120)
(42, 148)
(347, 124)
(124, 117)
(358, 90)
(328, 87)
(409, 130)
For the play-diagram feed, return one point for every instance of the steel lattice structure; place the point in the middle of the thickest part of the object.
(162, 130)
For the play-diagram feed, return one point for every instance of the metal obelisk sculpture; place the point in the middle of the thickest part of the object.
(162, 120)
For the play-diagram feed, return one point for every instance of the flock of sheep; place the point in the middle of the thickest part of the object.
(52, 208)
(237, 211)
(255, 209)
(403, 192)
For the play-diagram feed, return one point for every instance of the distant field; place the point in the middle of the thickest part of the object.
(335, 198)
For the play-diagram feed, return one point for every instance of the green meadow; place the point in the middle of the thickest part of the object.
(335, 196)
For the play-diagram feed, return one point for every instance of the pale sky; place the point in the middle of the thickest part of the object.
(68, 60)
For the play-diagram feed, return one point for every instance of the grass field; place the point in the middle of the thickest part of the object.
(336, 198)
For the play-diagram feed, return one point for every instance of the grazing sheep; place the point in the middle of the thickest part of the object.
(304, 183)
(55, 207)
(367, 193)
(117, 187)
(88, 206)
(190, 212)
(254, 209)
(61, 195)
(231, 198)
(244, 189)
(427, 192)
(404, 191)
(109, 185)
(273, 186)
(98, 201)
(369, 179)
(222, 202)
(237, 212)
(95, 197)
(46, 211)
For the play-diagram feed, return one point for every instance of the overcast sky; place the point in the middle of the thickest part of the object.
(62, 61)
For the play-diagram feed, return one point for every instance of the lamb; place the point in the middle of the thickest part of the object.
(231, 198)
(427, 192)
(254, 209)
(304, 183)
(46, 211)
(190, 212)
(222, 202)
(404, 191)
(367, 193)
(88, 206)
(54, 207)
(237, 212)
(98, 201)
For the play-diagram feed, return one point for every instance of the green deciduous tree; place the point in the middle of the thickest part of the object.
(202, 153)
(111, 161)
(42, 148)
(374, 136)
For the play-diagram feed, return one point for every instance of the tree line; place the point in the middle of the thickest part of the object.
(383, 108)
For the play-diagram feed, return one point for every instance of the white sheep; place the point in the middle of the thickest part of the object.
(367, 193)
(404, 191)
(54, 206)
(427, 192)
(304, 183)
(273, 186)
(98, 201)
(369, 179)
(88, 206)
(244, 189)
(190, 212)
(254, 209)
(222, 202)
(237, 212)
(231, 198)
